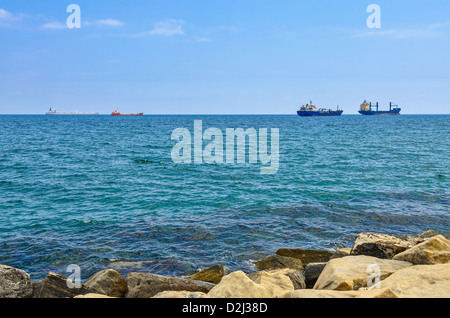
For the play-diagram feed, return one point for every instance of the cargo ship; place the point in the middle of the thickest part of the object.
(52, 111)
(117, 113)
(312, 110)
(373, 109)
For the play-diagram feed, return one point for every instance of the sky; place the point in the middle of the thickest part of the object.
(223, 56)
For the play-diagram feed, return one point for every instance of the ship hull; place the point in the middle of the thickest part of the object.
(379, 113)
(115, 114)
(72, 114)
(305, 113)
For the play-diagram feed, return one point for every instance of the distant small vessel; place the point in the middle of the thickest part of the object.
(368, 109)
(312, 110)
(55, 112)
(117, 113)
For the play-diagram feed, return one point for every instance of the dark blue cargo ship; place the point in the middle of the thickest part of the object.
(368, 109)
(311, 110)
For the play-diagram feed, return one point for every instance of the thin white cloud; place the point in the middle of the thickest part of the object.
(54, 25)
(429, 31)
(397, 33)
(110, 22)
(168, 27)
(8, 19)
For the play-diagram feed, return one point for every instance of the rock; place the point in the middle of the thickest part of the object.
(296, 277)
(14, 283)
(420, 281)
(277, 261)
(239, 285)
(274, 280)
(428, 234)
(354, 272)
(213, 274)
(273, 277)
(342, 252)
(179, 294)
(306, 256)
(37, 288)
(312, 273)
(383, 245)
(55, 286)
(435, 250)
(107, 282)
(313, 293)
(146, 285)
(93, 296)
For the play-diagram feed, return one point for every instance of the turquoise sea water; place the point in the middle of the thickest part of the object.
(103, 192)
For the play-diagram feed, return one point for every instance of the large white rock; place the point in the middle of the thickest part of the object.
(314, 293)
(277, 281)
(354, 272)
(420, 281)
(435, 250)
(179, 294)
(92, 295)
(296, 277)
(239, 285)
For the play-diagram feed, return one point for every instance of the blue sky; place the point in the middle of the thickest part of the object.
(223, 57)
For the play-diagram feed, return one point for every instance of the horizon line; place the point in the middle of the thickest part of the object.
(268, 114)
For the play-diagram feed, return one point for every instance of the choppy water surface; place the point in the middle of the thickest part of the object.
(103, 192)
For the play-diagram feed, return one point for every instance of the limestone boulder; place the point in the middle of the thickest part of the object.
(213, 274)
(146, 285)
(420, 281)
(14, 283)
(354, 272)
(94, 296)
(179, 294)
(383, 245)
(278, 261)
(435, 250)
(294, 275)
(238, 285)
(313, 293)
(107, 282)
(277, 281)
(428, 234)
(306, 256)
(57, 286)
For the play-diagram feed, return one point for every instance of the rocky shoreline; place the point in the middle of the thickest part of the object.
(376, 266)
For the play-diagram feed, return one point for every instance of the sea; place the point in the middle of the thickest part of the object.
(104, 192)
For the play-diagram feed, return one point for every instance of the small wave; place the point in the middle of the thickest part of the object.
(147, 161)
